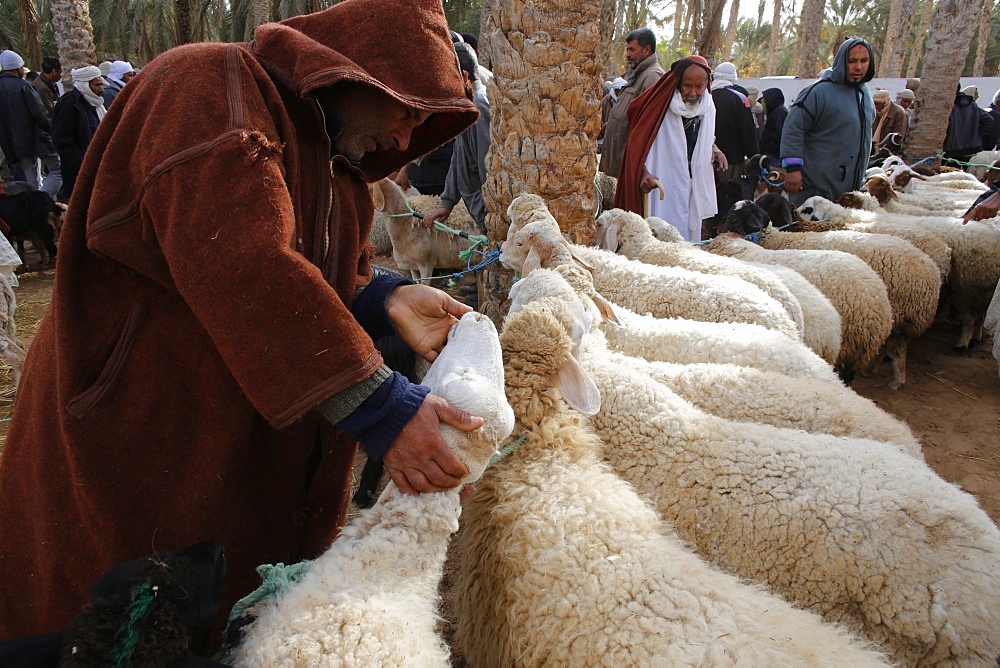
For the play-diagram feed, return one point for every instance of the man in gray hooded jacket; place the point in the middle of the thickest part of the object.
(827, 136)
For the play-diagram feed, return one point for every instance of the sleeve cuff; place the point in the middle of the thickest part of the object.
(791, 164)
(378, 420)
(369, 307)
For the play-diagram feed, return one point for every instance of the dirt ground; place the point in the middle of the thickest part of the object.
(951, 402)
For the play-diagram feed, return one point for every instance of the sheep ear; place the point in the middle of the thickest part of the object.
(580, 261)
(534, 259)
(604, 307)
(575, 384)
(610, 240)
(578, 388)
(377, 196)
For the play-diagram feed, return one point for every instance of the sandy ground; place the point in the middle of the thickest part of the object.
(951, 402)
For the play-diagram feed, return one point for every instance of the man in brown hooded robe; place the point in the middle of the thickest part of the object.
(213, 311)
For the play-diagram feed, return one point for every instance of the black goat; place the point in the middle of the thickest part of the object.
(156, 611)
(28, 215)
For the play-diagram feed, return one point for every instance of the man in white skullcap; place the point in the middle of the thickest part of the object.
(24, 123)
(78, 113)
(119, 74)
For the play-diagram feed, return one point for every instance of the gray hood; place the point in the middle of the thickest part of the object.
(838, 73)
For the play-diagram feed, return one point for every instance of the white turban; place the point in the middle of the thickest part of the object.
(119, 68)
(82, 76)
(724, 76)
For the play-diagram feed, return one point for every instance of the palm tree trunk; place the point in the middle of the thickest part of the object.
(32, 33)
(772, 53)
(760, 11)
(710, 42)
(182, 18)
(810, 24)
(691, 27)
(983, 39)
(948, 45)
(261, 12)
(73, 32)
(734, 17)
(678, 17)
(897, 36)
(547, 60)
(916, 56)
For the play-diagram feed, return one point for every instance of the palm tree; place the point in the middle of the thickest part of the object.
(734, 17)
(772, 51)
(710, 35)
(810, 24)
(73, 32)
(948, 45)
(916, 55)
(897, 37)
(547, 61)
(32, 34)
(983, 38)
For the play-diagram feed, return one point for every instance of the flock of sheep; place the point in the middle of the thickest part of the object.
(685, 478)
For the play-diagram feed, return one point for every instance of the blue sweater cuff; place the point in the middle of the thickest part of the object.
(369, 306)
(380, 417)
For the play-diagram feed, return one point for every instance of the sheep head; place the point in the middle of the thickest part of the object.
(388, 197)
(880, 187)
(538, 343)
(617, 228)
(523, 210)
(857, 200)
(744, 217)
(468, 374)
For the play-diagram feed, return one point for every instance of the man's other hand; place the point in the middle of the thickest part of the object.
(439, 213)
(419, 459)
(422, 316)
(793, 182)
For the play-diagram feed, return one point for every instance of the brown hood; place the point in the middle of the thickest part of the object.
(348, 42)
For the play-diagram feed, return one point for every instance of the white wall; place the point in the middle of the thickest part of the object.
(791, 86)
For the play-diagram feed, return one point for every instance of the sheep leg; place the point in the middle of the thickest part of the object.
(895, 349)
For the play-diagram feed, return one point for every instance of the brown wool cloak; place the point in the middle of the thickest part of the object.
(200, 310)
(645, 114)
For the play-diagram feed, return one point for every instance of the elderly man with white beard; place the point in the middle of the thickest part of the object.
(671, 143)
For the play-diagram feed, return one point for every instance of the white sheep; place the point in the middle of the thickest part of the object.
(370, 598)
(992, 323)
(854, 289)
(912, 280)
(627, 234)
(662, 291)
(981, 162)
(834, 216)
(851, 528)
(752, 393)
(414, 247)
(11, 347)
(975, 260)
(563, 564)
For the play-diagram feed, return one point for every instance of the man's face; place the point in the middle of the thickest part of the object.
(97, 86)
(368, 119)
(635, 54)
(880, 105)
(858, 60)
(54, 75)
(904, 102)
(128, 76)
(693, 85)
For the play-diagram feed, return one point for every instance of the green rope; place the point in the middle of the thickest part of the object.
(127, 637)
(478, 240)
(514, 445)
(275, 579)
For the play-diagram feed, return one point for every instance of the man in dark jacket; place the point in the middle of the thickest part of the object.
(735, 134)
(827, 136)
(77, 116)
(967, 126)
(207, 365)
(24, 124)
(774, 120)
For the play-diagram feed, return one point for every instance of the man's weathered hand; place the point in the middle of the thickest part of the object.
(988, 208)
(793, 182)
(422, 316)
(439, 213)
(648, 182)
(719, 159)
(419, 459)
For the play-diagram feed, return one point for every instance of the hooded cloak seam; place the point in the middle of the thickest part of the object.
(234, 93)
(122, 214)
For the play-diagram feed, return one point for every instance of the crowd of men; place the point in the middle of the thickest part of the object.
(45, 129)
(824, 140)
